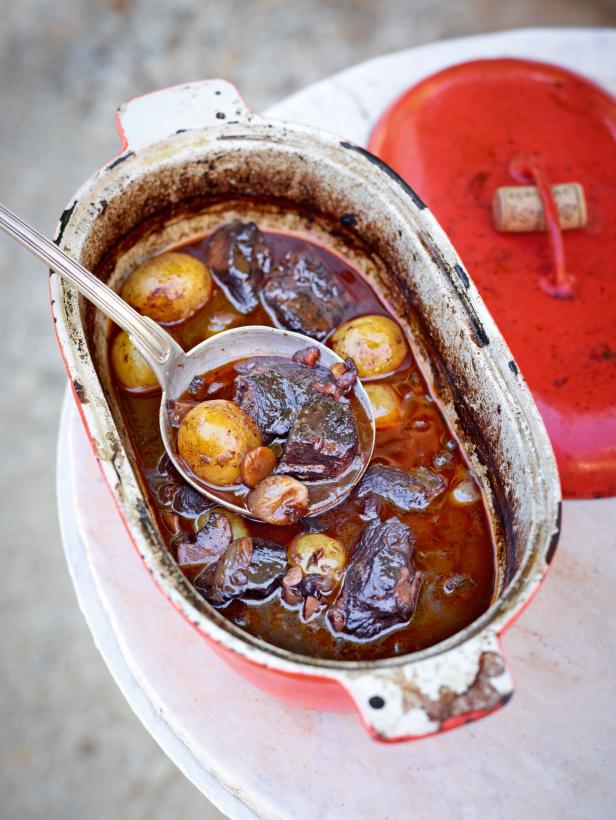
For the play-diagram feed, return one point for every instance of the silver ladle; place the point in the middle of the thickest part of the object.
(175, 369)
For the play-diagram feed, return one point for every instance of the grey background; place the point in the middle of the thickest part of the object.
(69, 745)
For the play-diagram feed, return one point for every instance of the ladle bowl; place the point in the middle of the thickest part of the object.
(174, 369)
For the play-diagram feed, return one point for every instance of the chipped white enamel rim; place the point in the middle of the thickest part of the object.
(464, 677)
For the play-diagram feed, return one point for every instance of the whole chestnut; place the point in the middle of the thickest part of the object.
(278, 499)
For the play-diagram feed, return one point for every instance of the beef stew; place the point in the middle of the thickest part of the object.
(408, 559)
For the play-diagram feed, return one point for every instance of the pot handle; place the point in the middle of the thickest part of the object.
(154, 117)
(432, 695)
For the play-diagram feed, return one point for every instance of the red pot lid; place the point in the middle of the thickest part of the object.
(454, 137)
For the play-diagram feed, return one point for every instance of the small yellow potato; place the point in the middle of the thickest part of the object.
(317, 553)
(214, 437)
(385, 405)
(375, 343)
(168, 288)
(131, 369)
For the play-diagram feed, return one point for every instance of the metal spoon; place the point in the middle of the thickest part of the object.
(175, 369)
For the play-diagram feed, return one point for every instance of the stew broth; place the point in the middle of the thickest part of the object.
(454, 548)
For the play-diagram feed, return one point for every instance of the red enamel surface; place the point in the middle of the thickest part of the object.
(308, 691)
(453, 138)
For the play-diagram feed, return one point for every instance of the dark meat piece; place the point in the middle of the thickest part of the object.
(189, 502)
(166, 492)
(305, 296)
(207, 545)
(239, 258)
(251, 568)
(380, 587)
(409, 491)
(272, 389)
(322, 441)
(166, 469)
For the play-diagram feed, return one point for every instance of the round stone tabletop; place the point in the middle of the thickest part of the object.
(548, 753)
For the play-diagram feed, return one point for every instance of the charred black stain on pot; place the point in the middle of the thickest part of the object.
(220, 115)
(485, 451)
(119, 160)
(64, 220)
(102, 206)
(376, 702)
(554, 539)
(181, 131)
(383, 166)
(248, 137)
(462, 275)
(80, 391)
(480, 336)
(513, 367)
(348, 220)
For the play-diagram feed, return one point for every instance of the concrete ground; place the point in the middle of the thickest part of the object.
(70, 747)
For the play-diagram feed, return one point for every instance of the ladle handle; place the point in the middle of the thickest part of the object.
(152, 341)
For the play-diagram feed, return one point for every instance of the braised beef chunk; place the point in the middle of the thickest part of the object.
(380, 587)
(250, 569)
(408, 490)
(305, 296)
(239, 258)
(166, 469)
(322, 441)
(189, 502)
(207, 545)
(272, 389)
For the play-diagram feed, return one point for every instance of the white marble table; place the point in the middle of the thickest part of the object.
(547, 754)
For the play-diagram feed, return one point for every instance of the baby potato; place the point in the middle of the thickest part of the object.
(213, 438)
(317, 553)
(375, 343)
(168, 288)
(385, 405)
(130, 367)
